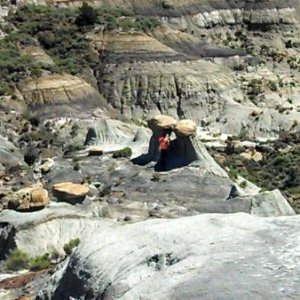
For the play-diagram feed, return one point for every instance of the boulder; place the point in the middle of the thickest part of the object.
(162, 122)
(29, 199)
(47, 165)
(185, 128)
(39, 197)
(254, 155)
(70, 192)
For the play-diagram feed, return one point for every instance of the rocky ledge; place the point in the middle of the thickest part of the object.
(172, 259)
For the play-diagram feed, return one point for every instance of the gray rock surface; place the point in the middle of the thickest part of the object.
(49, 229)
(10, 155)
(203, 257)
(269, 204)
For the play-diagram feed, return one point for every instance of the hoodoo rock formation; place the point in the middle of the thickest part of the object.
(183, 150)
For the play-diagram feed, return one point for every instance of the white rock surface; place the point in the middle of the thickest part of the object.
(212, 256)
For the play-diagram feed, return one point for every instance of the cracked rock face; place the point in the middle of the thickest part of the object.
(172, 259)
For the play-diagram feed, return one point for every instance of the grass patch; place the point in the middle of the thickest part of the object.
(39, 263)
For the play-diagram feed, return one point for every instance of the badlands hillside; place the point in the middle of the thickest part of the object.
(88, 210)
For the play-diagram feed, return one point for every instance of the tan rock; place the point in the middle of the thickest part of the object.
(162, 122)
(38, 54)
(57, 89)
(254, 155)
(39, 197)
(185, 128)
(128, 42)
(28, 199)
(70, 192)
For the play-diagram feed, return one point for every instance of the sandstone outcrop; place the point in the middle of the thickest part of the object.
(254, 155)
(216, 93)
(125, 46)
(64, 91)
(38, 54)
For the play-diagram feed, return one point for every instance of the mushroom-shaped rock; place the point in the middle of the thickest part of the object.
(185, 128)
(29, 199)
(69, 192)
(162, 122)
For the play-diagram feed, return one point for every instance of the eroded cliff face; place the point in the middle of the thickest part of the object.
(56, 95)
(232, 68)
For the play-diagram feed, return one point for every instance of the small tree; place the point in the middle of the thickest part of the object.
(87, 15)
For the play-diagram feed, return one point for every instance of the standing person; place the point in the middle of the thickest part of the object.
(164, 142)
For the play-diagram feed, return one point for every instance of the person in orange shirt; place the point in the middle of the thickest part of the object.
(164, 142)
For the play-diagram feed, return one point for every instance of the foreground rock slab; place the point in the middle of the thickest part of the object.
(214, 256)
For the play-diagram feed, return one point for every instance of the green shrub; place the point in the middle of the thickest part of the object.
(233, 173)
(243, 184)
(68, 247)
(87, 15)
(273, 86)
(5, 90)
(32, 118)
(255, 87)
(125, 152)
(76, 166)
(17, 260)
(294, 190)
(39, 263)
(282, 160)
(62, 33)
(57, 32)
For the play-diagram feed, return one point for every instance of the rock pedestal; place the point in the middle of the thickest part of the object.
(183, 150)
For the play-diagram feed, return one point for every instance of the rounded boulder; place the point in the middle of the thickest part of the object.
(162, 122)
(185, 128)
